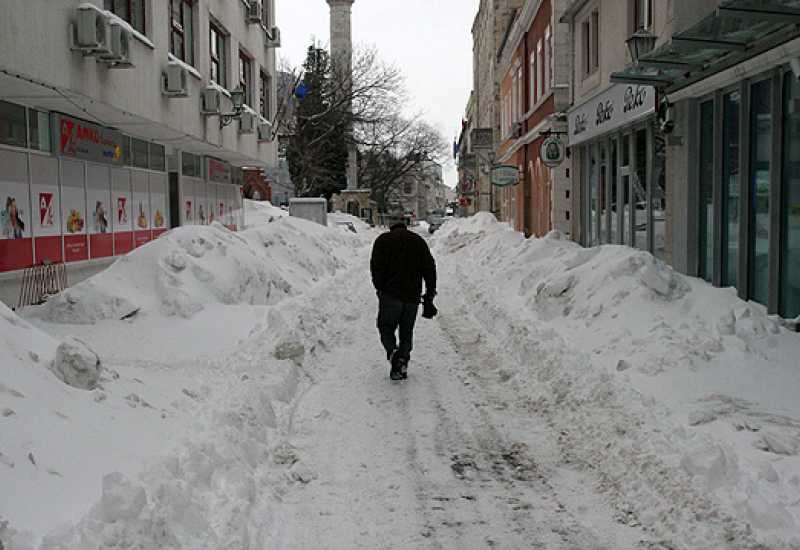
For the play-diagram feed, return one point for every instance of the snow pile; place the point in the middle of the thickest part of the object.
(680, 395)
(261, 212)
(192, 267)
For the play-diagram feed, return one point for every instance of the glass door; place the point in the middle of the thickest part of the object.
(790, 207)
(602, 199)
(759, 189)
(705, 245)
(613, 201)
(731, 106)
(625, 190)
(639, 184)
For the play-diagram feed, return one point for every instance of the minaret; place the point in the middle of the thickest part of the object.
(342, 54)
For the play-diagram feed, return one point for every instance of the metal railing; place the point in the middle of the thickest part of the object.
(41, 281)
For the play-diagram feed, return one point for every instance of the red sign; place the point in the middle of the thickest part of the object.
(89, 141)
(122, 212)
(218, 171)
(46, 214)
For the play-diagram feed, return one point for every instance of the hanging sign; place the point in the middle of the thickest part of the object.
(552, 152)
(505, 176)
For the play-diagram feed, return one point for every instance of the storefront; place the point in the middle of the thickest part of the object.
(74, 191)
(208, 193)
(618, 158)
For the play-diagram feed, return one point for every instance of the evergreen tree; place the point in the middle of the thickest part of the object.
(317, 150)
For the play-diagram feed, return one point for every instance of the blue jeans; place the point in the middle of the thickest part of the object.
(397, 316)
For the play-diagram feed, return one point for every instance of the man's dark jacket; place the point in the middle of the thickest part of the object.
(400, 261)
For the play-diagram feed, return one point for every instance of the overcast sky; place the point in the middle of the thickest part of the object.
(430, 40)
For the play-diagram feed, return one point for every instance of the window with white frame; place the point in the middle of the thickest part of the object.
(590, 38)
(520, 92)
(217, 55)
(540, 75)
(548, 60)
(532, 83)
(132, 11)
(182, 30)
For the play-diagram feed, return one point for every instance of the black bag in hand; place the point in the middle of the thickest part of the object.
(429, 310)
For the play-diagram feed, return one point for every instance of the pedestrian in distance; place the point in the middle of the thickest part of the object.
(401, 261)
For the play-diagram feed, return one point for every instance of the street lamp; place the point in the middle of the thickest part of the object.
(640, 44)
(237, 98)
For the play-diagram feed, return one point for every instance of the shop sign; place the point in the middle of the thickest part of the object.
(218, 171)
(619, 105)
(505, 176)
(87, 141)
(552, 152)
(481, 139)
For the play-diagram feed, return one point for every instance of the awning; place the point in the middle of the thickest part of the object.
(735, 32)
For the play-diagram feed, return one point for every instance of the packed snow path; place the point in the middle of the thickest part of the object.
(433, 462)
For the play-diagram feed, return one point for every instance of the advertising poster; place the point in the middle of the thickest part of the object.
(239, 208)
(222, 201)
(73, 211)
(141, 209)
(158, 204)
(230, 206)
(98, 200)
(16, 243)
(46, 215)
(200, 190)
(122, 200)
(188, 200)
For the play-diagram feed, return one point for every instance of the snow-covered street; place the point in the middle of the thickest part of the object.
(563, 398)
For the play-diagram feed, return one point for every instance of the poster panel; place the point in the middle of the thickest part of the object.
(73, 211)
(141, 208)
(158, 204)
(46, 215)
(189, 202)
(201, 191)
(16, 242)
(122, 199)
(98, 200)
(211, 200)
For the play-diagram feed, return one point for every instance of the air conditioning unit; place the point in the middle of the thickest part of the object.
(211, 101)
(254, 12)
(274, 38)
(120, 56)
(91, 33)
(176, 81)
(265, 132)
(247, 123)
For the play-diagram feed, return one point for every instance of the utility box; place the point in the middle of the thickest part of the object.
(315, 210)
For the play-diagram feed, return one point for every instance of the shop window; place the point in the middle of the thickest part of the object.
(132, 11)
(548, 60)
(759, 189)
(191, 165)
(730, 188)
(182, 30)
(790, 207)
(246, 76)
(13, 130)
(39, 130)
(266, 94)
(140, 153)
(217, 53)
(639, 199)
(705, 245)
(158, 160)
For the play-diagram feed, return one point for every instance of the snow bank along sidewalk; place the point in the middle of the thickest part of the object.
(680, 397)
(161, 439)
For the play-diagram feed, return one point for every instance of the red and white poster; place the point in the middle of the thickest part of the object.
(141, 208)
(200, 190)
(211, 200)
(158, 204)
(45, 198)
(187, 201)
(101, 212)
(122, 200)
(73, 211)
(16, 243)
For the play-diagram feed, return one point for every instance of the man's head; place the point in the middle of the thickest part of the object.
(398, 225)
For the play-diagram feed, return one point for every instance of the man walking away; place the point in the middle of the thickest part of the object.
(400, 261)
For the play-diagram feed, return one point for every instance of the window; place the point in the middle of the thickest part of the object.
(265, 13)
(759, 189)
(245, 77)
(191, 165)
(548, 60)
(13, 130)
(587, 52)
(39, 130)
(131, 11)
(182, 30)
(157, 157)
(532, 71)
(520, 93)
(540, 75)
(705, 265)
(219, 73)
(731, 107)
(790, 205)
(595, 40)
(642, 14)
(140, 153)
(266, 93)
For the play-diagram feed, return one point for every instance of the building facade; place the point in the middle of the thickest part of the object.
(127, 127)
(534, 98)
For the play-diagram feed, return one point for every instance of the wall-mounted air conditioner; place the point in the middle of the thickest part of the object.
(247, 123)
(274, 39)
(254, 11)
(265, 131)
(91, 34)
(175, 81)
(120, 55)
(211, 101)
